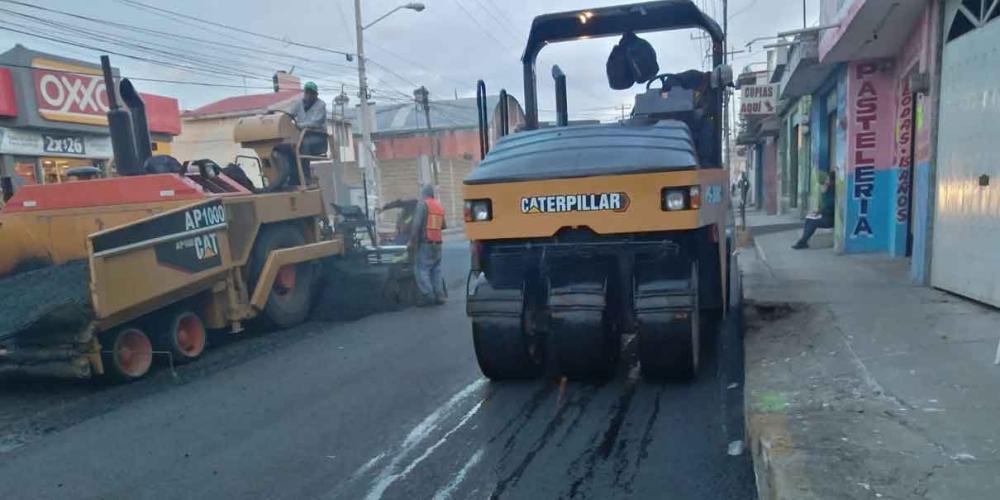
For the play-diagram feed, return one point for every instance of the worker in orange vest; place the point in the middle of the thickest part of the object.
(425, 248)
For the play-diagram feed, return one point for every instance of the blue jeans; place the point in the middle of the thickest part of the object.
(427, 271)
(812, 225)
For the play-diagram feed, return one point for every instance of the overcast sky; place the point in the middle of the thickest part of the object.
(447, 47)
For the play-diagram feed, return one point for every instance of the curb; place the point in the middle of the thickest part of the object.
(772, 453)
(771, 448)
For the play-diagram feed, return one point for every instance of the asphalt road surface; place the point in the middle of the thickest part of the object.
(390, 406)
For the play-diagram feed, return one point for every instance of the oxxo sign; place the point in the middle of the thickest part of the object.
(70, 93)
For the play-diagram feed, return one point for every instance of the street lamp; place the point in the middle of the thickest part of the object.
(416, 6)
(366, 158)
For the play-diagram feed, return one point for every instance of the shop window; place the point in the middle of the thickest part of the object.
(54, 169)
(24, 172)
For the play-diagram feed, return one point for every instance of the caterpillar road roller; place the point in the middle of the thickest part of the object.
(102, 275)
(583, 234)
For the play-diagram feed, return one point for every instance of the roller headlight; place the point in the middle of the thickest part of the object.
(478, 210)
(681, 198)
(674, 199)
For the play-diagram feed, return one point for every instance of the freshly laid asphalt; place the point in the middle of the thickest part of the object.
(389, 406)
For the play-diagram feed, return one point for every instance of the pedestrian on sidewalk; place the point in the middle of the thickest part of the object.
(823, 218)
(425, 248)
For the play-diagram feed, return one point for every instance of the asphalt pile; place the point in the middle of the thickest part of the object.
(50, 300)
(352, 289)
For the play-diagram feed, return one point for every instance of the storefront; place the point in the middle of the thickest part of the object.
(879, 102)
(53, 118)
(759, 132)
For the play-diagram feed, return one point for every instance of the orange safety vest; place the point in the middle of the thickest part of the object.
(435, 220)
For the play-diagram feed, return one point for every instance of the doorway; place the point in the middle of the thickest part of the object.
(793, 168)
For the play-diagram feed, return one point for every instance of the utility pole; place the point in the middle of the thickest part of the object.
(366, 156)
(422, 97)
(725, 90)
(803, 14)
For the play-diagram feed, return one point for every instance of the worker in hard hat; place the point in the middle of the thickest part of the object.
(310, 113)
(425, 248)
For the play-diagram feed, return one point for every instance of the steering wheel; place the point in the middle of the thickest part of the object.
(207, 168)
(667, 81)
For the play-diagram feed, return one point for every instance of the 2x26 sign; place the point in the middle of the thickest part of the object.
(63, 144)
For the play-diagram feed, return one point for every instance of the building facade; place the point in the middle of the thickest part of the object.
(53, 117)
(885, 108)
(965, 179)
(759, 130)
(407, 151)
(855, 99)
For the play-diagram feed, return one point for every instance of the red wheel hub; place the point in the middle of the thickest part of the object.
(133, 352)
(190, 335)
(285, 280)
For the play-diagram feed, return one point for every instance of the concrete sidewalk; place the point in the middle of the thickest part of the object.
(860, 384)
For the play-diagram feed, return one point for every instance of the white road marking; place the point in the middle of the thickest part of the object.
(10, 442)
(417, 435)
(445, 494)
(368, 466)
(384, 483)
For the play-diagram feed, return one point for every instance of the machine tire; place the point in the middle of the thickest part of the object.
(669, 341)
(181, 333)
(587, 345)
(127, 353)
(290, 297)
(502, 334)
(503, 350)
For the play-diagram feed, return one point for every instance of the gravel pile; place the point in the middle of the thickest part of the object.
(45, 300)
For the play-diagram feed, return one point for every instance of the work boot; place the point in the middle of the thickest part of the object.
(800, 245)
(424, 301)
(440, 301)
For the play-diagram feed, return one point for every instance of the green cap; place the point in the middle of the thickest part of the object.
(311, 86)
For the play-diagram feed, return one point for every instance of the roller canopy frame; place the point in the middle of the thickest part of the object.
(664, 15)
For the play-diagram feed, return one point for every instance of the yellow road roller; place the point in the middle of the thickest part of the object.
(583, 234)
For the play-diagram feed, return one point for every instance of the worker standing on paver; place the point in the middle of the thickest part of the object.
(425, 247)
(310, 113)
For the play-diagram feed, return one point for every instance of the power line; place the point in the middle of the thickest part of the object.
(193, 69)
(192, 61)
(476, 21)
(499, 23)
(204, 62)
(413, 63)
(144, 79)
(162, 11)
(106, 51)
(169, 13)
(343, 16)
(503, 14)
(208, 63)
(743, 10)
(254, 51)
